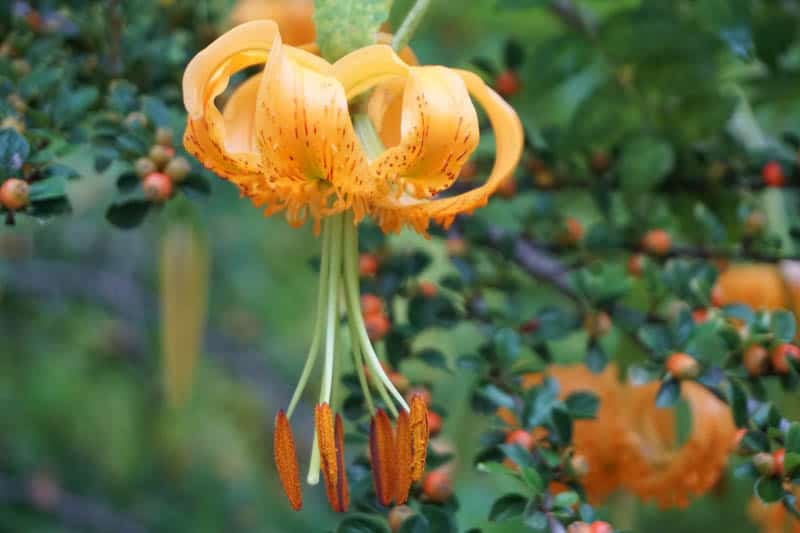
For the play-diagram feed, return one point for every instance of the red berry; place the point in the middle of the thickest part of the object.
(573, 232)
(427, 289)
(682, 366)
(157, 187)
(601, 527)
(755, 360)
(377, 325)
(779, 456)
(765, 464)
(521, 438)
(367, 265)
(437, 486)
(773, 174)
(636, 265)
(700, 316)
(657, 242)
(508, 189)
(434, 423)
(371, 305)
(780, 357)
(456, 246)
(507, 84)
(14, 194)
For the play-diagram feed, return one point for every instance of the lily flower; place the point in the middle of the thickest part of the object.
(288, 141)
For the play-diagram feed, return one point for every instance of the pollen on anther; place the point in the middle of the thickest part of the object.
(286, 461)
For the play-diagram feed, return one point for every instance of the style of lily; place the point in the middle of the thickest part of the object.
(288, 141)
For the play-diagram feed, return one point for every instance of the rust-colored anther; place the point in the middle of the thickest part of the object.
(331, 451)
(286, 461)
(342, 487)
(419, 436)
(381, 448)
(402, 457)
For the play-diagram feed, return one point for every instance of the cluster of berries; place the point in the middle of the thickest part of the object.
(161, 169)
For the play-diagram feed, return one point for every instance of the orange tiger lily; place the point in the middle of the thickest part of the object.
(287, 140)
(294, 17)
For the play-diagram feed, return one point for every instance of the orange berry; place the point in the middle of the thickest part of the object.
(367, 265)
(544, 179)
(529, 326)
(434, 423)
(377, 325)
(157, 187)
(161, 155)
(780, 357)
(755, 360)
(398, 515)
(507, 84)
(437, 486)
(779, 456)
(636, 265)
(682, 366)
(573, 232)
(14, 194)
(772, 172)
(178, 169)
(144, 166)
(601, 527)
(657, 242)
(521, 438)
(700, 316)
(427, 289)
(456, 246)
(164, 137)
(371, 305)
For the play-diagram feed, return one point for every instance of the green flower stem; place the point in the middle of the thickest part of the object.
(311, 358)
(410, 24)
(354, 314)
(358, 361)
(330, 277)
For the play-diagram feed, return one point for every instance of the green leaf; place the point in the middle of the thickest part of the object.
(668, 393)
(345, 25)
(783, 325)
(508, 506)
(737, 399)
(415, 524)
(645, 163)
(507, 344)
(494, 468)
(434, 358)
(793, 438)
(562, 424)
(520, 456)
(790, 462)
(566, 499)
(127, 215)
(14, 150)
(533, 479)
(769, 489)
(44, 209)
(582, 405)
(439, 520)
(47, 189)
(362, 523)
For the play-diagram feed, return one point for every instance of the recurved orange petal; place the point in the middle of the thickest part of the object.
(438, 132)
(382, 452)
(509, 139)
(286, 461)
